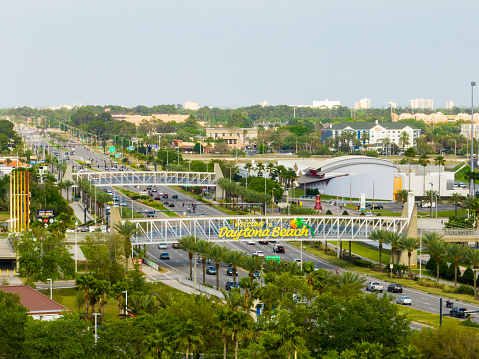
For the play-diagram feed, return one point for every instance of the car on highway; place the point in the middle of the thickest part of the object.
(256, 275)
(404, 300)
(459, 312)
(176, 245)
(154, 190)
(158, 198)
(165, 195)
(150, 214)
(297, 260)
(162, 246)
(251, 242)
(175, 196)
(148, 188)
(263, 242)
(395, 288)
(171, 205)
(278, 248)
(164, 255)
(374, 287)
(211, 270)
(230, 285)
(229, 271)
(258, 254)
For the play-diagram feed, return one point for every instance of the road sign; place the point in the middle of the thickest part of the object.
(273, 258)
(117, 155)
(111, 149)
(130, 148)
(100, 146)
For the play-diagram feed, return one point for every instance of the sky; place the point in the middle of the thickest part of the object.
(232, 53)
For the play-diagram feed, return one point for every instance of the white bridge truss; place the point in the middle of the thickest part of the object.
(337, 228)
(148, 178)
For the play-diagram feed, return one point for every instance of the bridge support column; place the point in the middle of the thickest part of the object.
(402, 257)
(218, 174)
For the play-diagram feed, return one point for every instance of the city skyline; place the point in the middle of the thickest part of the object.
(236, 54)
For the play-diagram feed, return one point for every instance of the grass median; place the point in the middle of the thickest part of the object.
(429, 319)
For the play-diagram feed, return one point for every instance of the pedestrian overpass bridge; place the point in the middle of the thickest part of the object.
(265, 228)
(145, 178)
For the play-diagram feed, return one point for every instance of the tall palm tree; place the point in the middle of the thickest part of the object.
(67, 185)
(188, 336)
(240, 327)
(408, 244)
(235, 259)
(473, 205)
(251, 265)
(472, 256)
(380, 236)
(85, 282)
(437, 248)
(188, 244)
(248, 166)
(410, 154)
(455, 199)
(127, 230)
(403, 140)
(455, 251)
(393, 238)
(424, 161)
(260, 168)
(439, 161)
(217, 254)
(203, 248)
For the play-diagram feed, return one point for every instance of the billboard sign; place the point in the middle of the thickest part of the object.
(261, 229)
(45, 213)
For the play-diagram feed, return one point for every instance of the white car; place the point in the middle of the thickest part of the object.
(404, 300)
(251, 242)
(162, 246)
(297, 260)
(258, 253)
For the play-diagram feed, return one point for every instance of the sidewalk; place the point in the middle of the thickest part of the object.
(78, 210)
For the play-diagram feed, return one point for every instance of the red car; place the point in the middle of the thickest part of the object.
(158, 198)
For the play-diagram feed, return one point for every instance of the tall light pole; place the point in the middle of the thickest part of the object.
(126, 301)
(51, 285)
(431, 197)
(473, 83)
(96, 327)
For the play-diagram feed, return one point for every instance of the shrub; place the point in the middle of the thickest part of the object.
(345, 213)
(450, 272)
(465, 289)
(469, 323)
(329, 213)
(372, 153)
(362, 263)
(208, 285)
(431, 264)
(448, 288)
(468, 276)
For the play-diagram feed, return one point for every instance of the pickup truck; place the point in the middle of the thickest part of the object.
(458, 312)
(374, 286)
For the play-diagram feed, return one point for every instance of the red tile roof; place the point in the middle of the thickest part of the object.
(33, 300)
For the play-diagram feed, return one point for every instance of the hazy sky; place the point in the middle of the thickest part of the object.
(230, 53)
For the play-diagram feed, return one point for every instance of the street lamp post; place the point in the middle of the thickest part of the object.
(126, 301)
(473, 83)
(96, 326)
(51, 287)
(431, 197)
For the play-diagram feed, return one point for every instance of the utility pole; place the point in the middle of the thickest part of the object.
(472, 136)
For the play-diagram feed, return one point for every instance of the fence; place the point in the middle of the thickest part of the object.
(201, 288)
(458, 232)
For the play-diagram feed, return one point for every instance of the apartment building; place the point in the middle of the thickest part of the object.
(234, 137)
(372, 133)
(437, 117)
(362, 104)
(326, 103)
(421, 103)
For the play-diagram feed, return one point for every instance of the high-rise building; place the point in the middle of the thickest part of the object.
(449, 105)
(362, 104)
(392, 104)
(326, 103)
(422, 103)
(191, 105)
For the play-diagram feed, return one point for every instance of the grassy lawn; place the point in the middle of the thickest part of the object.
(431, 319)
(383, 276)
(4, 216)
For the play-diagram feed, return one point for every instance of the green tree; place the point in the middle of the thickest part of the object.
(188, 337)
(455, 251)
(472, 256)
(439, 161)
(410, 154)
(455, 199)
(188, 244)
(217, 254)
(437, 248)
(393, 238)
(85, 283)
(235, 259)
(13, 318)
(379, 235)
(424, 161)
(127, 230)
(408, 244)
(203, 248)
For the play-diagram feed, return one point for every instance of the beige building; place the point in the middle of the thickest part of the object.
(234, 137)
(137, 119)
(362, 104)
(422, 103)
(191, 105)
(437, 117)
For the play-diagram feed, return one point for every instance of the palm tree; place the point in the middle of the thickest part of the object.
(393, 238)
(410, 154)
(217, 254)
(437, 248)
(270, 166)
(473, 205)
(472, 256)
(380, 236)
(408, 244)
(67, 185)
(455, 251)
(259, 167)
(203, 248)
(188, 244)
(235, 259)
(248, 167)
(455, 199)
(252, 264)
(439, 161)
(350, 279)
(240, 326)
(103, 289)
(424, 161)
(188, 336)
(404, 140)
(85, 282)
(127, 230)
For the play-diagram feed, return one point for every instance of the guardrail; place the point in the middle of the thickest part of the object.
(457, 232)
(201, 288)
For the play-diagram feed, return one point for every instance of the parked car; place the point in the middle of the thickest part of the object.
(459, 312)
(278, 248)
(211, 270)
(162, 246)
(395, 288)
(230, 285)
(374, 286)
(229, 271)
(404, 300)
(164, 255)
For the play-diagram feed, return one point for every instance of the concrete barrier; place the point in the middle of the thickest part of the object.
(202, 288)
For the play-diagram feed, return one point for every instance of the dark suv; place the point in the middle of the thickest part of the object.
(229, 271)
(279, 248)
(395, 288)
(458, 312)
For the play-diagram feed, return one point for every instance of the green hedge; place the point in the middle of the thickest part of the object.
(362, 263)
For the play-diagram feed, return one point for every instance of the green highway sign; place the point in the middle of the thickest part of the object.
(100, 146)
(273, 258)
(111, 149)
(117, 155)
